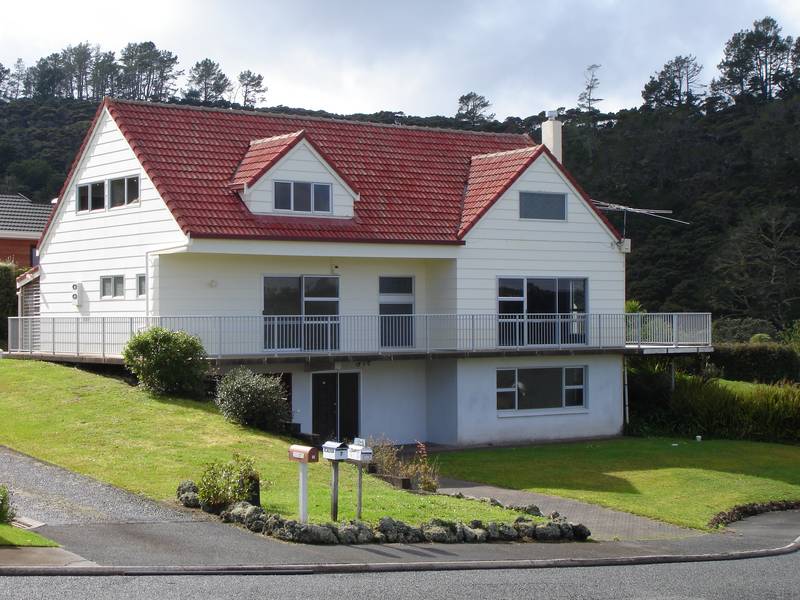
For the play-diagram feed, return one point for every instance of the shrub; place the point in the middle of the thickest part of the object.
(791, 335)
(388, 460)
(6, 510)
(226, 482)
(766, 363)
(167, 362)
(732, 330)
(251, 399)
(757, 412)
(8, 298)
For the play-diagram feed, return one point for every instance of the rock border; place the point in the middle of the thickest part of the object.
(391, 531)
(742, 511)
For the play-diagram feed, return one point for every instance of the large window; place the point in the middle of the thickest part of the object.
(303, 196)
(112, 286)
(396, 307)
(92, 196)
(540, 205)
(534, 389)
(301, 312)
(123, 191)
(541, 310)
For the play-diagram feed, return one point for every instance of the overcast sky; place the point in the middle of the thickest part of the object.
(411, 56)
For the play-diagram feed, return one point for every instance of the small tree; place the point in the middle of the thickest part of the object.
(252, 87)
(207, 82)
(167, 362)
(473, 109)
(587, 98)
(251, 399)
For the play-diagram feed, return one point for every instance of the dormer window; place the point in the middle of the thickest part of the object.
(303, 197)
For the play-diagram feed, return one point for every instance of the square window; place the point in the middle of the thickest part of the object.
(98, 196)
(573, 376)
(538, 205)
(83, 197)
(506, 378)
(573, 397)
(539, 388)
(511, 288)
(117, 193)
(302, 197)
(132, 184)
(322, 197)
(506, 400)
(283, 195)
(396, 285)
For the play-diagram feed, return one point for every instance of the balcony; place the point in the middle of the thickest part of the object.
(275, 338)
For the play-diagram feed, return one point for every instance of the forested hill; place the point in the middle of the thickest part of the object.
(726, 158)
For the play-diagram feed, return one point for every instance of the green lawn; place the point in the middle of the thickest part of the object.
(12, 536)
(685, 484)
(102, 427)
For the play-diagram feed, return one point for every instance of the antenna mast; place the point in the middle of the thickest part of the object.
(651, 212)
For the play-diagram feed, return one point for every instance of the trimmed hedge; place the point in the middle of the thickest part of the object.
(766, 363)
(252, 399)
(8, 298)
(712, 408)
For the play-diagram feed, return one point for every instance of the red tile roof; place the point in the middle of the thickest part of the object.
(411, 181)
(261, 156)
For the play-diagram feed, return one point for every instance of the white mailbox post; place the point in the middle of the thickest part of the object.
(335, 452)
(303, 455)
(359, 454)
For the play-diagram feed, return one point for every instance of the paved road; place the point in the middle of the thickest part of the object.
(765, 579)
(604, 523)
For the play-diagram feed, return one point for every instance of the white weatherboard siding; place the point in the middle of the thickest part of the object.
(186, 286)
(502, 244)
(480, 422)
(82, 247)
(301, 163)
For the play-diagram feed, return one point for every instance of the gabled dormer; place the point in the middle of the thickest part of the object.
(287, 175)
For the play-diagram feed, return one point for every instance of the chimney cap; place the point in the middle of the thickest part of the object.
(552, 114)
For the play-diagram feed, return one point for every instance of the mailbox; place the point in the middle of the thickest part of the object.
(303, 454)
(359, 453)
(334, 451)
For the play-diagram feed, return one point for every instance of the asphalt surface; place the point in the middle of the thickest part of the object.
(605, 523)
(764, 579)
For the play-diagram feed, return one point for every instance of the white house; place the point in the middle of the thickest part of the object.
(419, 284)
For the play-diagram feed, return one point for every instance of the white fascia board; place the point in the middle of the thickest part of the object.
(20, 235)
(326, 249)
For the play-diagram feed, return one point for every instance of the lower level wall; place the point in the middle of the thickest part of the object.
(480, 422)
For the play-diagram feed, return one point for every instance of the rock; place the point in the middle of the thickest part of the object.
(235, 513)
(548, 532)
(439, 535)
(186, 487)
(528, 509)
(397, 532)
(507, 533)
(481, 537)
(189, 499)
(458, 495)
(476, 524)
(388, 527)
(492, 532)
(470, 535)
(580, 532)
(379, 538)
(413, 535)
(566, 531)
(254, 518)
(347, 534)
(526, 529)
(554, 515)
(273, 523)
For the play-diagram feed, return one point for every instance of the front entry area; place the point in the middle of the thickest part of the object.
(334, 405)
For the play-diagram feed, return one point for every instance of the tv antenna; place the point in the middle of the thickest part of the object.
(651, 212)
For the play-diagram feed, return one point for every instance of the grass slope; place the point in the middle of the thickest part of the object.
(104, 428)
(678, 481)
(12, 536)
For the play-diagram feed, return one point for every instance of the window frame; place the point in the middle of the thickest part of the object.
(543, 411)
(112, 278)
(565, 195)
(524, 297)
(400, 299)
(292, 209)
(139, 292)
(89, 208)
(127, 201)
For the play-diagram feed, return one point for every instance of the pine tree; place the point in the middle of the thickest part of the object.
(207, 82)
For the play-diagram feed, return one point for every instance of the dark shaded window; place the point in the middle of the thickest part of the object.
(322, 197)
(302, 197)
(117, 193)
(98, 196)
(283, 195)
(547, 388)
(83, 197)
(539, 205)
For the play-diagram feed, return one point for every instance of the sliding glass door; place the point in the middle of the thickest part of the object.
(541, 311)
(301, 312)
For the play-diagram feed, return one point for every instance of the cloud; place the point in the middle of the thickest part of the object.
(415, 56)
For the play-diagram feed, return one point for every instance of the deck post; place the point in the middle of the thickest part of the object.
(103, 337)
(77, 336)
(219, 338)
(674, 330)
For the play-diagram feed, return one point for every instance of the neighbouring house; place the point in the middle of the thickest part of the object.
(21, 223)
(414, 283)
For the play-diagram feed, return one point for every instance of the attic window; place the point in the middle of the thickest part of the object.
(123, 191)
(303, 197)
(540, 205)
(92, 196)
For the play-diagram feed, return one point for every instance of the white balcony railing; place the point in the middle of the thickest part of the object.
(243, 336)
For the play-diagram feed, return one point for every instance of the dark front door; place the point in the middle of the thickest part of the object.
(334, 405)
